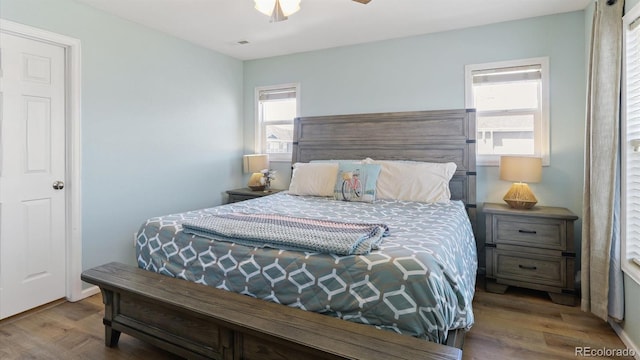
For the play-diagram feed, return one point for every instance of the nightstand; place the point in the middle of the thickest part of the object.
(236, 195)
(532, 249)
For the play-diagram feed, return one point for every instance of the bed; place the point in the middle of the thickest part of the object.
(420, 280)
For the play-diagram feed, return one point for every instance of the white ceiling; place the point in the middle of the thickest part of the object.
(320, 24)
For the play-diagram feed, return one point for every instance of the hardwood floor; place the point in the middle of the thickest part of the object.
(520, 324)
(524, 324)
(68, 331)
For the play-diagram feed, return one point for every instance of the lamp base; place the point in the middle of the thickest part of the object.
(520, 196)
(256, 182)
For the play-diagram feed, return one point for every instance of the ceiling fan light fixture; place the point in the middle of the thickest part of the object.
(289, 6)
(277, 9)
(265, 6)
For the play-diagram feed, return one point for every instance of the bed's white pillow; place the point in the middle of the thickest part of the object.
(317, 179)
(413, 180)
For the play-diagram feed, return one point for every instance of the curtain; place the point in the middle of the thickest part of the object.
(602, 292)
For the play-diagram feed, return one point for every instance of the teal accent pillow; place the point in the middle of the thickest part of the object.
(357, 182)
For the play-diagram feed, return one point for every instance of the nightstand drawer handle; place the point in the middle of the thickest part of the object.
(527, 231)
(527, 267)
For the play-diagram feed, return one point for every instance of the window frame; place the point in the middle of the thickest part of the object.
(260, 144)
(541, 122)
(628, 266)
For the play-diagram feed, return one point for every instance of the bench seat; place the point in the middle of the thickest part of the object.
(200, 322)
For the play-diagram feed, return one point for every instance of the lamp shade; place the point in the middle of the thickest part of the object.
(521, 169)
(255, 163)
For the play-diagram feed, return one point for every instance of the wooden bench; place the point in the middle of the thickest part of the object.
(200, 322)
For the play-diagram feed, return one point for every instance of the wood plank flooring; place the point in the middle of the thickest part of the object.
(520, 324)
(524, 324)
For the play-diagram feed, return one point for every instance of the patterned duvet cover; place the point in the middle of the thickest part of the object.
(420, 282)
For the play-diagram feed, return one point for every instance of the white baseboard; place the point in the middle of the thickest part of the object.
(625, 338)
(90, 291)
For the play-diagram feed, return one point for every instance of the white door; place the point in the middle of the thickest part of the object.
(32, 158)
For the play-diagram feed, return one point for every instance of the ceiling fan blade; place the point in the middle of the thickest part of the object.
(362, 1)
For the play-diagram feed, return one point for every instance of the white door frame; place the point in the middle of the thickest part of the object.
(73, 193)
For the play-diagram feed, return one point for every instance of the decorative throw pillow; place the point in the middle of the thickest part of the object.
(414, 180)
(356, 182)
(316, 179)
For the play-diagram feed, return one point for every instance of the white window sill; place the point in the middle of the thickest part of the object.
(632, 269)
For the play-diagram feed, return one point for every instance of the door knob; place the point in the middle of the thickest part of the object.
(58, 185)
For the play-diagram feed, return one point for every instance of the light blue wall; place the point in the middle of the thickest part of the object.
(161, 122)
(162, 119)
(427, 72)
(631, 324)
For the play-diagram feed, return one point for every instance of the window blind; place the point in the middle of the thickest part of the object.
(508, 74)
(276, 106)
(277, 94)
(631, 134)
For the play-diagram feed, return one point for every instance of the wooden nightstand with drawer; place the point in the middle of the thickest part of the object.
(243, 194)
(531, 248)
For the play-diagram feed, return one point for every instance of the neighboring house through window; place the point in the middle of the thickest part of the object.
(511, 99)
(277, 106)
(630, 146)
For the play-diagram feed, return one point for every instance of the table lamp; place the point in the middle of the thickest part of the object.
(520, 170)
(254, 164)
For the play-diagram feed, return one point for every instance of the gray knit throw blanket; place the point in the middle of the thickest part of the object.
(290, 233)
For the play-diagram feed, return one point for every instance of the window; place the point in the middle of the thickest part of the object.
(630, 146)
(276, 108)
(511, 99)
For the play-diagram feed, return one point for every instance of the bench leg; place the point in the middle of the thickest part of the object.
(111, 336)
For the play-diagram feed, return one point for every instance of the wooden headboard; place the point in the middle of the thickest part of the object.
(430, 136)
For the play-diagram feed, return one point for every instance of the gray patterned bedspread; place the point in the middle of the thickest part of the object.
(419, 282)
